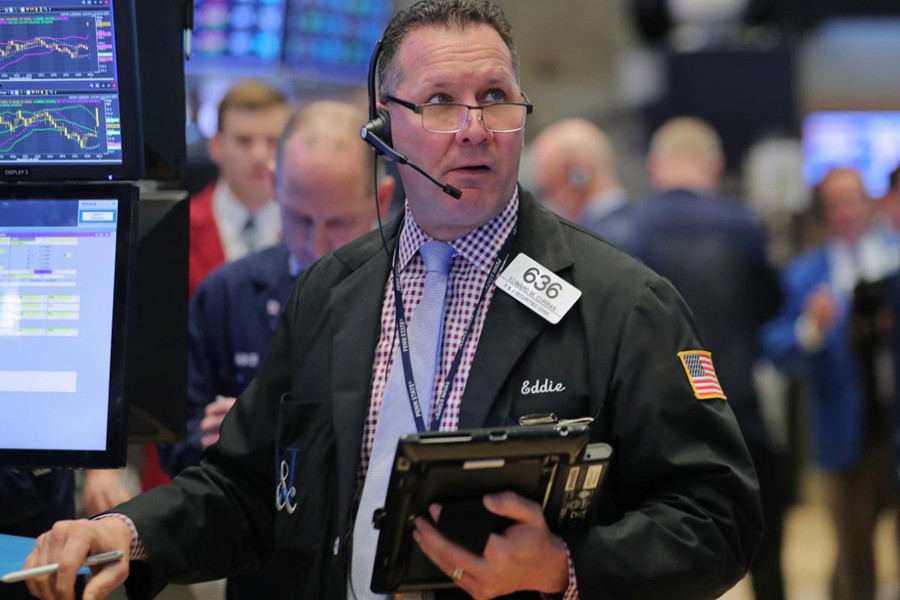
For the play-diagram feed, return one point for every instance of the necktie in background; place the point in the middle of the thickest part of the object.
(250, 235)
(396, 417)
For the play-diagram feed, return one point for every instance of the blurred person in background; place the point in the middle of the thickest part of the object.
(574, 172)
(889, 204)
(714, 252)
(833, 328)
(236, 215)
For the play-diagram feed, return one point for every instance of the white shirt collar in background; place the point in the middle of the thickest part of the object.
(231, 216)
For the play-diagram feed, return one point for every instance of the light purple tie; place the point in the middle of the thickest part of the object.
(396, 417)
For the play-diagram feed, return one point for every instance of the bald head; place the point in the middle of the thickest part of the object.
(686, 153)
(572, 162)
(324, 181)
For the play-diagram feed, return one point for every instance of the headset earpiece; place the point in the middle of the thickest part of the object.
(383, 126)
(578, 178)
(379, 123)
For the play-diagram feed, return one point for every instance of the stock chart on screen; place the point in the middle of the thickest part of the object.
(59, 86)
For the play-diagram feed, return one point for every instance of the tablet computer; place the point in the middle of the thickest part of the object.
(553, 465)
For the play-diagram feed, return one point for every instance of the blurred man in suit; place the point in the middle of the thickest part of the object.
(236, 215)
(575, 173)
(824, 329)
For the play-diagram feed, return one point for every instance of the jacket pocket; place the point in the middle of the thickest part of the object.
(304, 475)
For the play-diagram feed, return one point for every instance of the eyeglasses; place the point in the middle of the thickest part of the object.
(452, 117)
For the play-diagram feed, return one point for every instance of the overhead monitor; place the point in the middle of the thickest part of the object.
(332, 40)
(69, 106)
(236, 37)
(866, 141)
(64, 264)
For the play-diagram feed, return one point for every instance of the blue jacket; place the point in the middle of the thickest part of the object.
(838, 402)
(232, 319)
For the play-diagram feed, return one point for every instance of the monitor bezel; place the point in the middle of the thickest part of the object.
(116, 431)
(132, 165)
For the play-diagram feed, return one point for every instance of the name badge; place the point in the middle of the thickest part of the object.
(538, 288)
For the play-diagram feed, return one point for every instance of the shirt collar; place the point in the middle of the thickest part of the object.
(480, 246)
(229, 207)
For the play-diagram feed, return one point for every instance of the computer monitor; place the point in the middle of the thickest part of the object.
(69, 104)
(866, 141)
(64, 280)
(332, 40)
(236, 37)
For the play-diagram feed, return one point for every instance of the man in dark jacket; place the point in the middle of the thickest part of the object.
(679, 514)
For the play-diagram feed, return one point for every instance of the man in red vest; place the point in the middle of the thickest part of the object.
(236, 215)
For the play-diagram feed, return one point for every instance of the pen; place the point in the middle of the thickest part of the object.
(96, 559)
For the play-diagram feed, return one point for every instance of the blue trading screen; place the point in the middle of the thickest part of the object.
(867, 141)
(57, 285)
(236, 34)
(332, 40)
(59, 86)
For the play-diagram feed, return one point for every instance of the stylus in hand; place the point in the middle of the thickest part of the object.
(90, 561)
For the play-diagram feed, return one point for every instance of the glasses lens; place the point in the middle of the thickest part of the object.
(450, 118)
(443, 118)
(504, 117)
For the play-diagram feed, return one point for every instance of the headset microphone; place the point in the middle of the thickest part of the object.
(376, 142)
(377, 131)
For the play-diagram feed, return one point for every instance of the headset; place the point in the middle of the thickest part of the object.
(579, 178)
(378, 127)
(379, 123)
(377, 130)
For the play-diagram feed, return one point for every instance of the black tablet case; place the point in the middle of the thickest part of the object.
(456, 469)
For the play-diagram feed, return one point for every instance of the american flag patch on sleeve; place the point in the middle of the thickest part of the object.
(701, 374)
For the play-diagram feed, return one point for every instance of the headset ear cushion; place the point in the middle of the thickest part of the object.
(578, 178)
(383, 130)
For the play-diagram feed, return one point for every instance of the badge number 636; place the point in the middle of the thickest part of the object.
(541, 282)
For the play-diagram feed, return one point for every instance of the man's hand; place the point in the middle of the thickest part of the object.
(526, 557)
(820, 308)
(69, 543)
(103, 489)
(209, 426)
